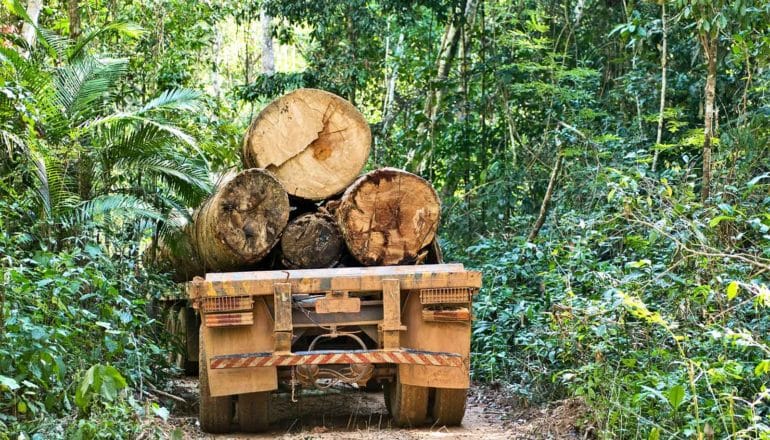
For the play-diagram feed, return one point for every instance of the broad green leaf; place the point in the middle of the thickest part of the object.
(718, 219)
(675, 396)
(8, 383)
(762, 367)
(84, 391)
(732, 290)
(654, 434)
(160, 411)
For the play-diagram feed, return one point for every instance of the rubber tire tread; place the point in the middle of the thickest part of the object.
(408, 404)
(254, 411)
(188, 324)
(449, 406)
(215, 413)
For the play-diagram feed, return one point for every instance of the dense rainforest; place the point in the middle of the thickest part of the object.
(605, 163)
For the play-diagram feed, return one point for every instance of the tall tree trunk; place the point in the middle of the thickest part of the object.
(73, 12)
(268, 56)
(390, 93)
(709, 43)
(28, 30)
(216, 77)
(449, 46)
(663, 85)
(546, 198)
(247, 54)
(446, 56)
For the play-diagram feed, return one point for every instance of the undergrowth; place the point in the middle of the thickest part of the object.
(79, 341)
(653, 309)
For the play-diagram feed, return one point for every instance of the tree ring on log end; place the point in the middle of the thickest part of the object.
(315, 142)
(242, 221)
(388, 216)
(311, 241)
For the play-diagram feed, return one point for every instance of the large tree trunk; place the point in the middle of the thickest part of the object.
(663, 85)
(709, 43)
(388, 217)
(449, 45)
(315, 142)
(28, 30)
(311, 241)
(268, 57)
(73, 12)
(446, 56)
(241, 222)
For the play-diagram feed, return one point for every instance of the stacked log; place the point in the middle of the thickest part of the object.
(388, 217)
(302, 188)
(311, 241)
(239, 225)
(315, 142)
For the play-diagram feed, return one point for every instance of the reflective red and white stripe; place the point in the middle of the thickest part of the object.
(364, 357)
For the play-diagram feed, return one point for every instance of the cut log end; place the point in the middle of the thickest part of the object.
(388, 216)
(311, 241)
(315, 142)
(242, 221)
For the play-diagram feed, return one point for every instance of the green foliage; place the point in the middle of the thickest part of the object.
(66, 311)
(635, 296)
(102, 381)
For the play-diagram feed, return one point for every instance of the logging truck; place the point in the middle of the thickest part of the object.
(301, 211)
(402, 329)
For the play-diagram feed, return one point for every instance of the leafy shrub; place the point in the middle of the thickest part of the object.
(64, 314)
(652, 309)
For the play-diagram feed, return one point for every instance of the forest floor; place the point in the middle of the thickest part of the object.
(352, 414)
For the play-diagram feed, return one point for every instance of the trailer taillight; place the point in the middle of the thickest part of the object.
(227, 311)
(449, 295)
(225, 304)
(228, 319)
(455, 314)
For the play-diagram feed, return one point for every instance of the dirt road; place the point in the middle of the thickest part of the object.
(354, 414)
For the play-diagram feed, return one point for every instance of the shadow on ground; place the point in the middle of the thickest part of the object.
(356, 414)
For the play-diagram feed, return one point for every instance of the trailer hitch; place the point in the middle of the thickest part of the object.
(326, 377)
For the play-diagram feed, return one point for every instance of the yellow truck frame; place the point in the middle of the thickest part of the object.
(403, 328)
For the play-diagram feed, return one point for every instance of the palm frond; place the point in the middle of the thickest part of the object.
(57, 45)
(183, 172)
(174, 99)
(117, 205)
(130, 30)
(131, 140)
(122, 117)
(79, 85)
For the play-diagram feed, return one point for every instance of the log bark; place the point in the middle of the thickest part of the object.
(388, 217)
(311, 241)
(239, 225)
(177, 255)
(315, 143)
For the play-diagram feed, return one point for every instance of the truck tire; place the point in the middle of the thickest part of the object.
(449, 406)
(407, 404)
(216, 413)
(188, 328)
(254, 411)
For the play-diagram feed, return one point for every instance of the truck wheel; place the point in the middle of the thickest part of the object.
(449, 406)
(407, 404)
(254, 411)
(187, 326)
(216, 413)
(172, 328)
